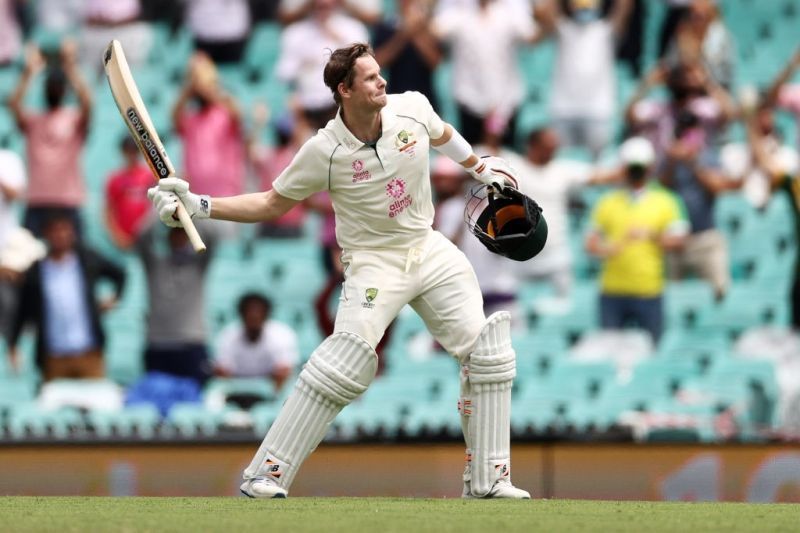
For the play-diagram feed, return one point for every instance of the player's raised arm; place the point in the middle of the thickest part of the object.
(456, 147)
(252, 207)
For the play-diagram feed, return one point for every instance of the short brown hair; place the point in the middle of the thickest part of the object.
(340, 67)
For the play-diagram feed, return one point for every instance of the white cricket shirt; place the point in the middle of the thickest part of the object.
(381, 195)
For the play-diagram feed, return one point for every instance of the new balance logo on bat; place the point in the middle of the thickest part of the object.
(156, 159)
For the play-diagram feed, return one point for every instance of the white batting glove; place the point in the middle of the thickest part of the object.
(494, 171)
(166, 194)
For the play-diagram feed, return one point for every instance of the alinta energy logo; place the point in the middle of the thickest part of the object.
(396, 188)
(359, 174)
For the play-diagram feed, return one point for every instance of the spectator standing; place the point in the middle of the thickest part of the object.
(694, 97)
(58, 298)
(551, 180)
(258, 346)
(676, 11)
(488, 85)
(54, 138)
(303, 56)
(220, 27)
(631, 230)
(176, 328)
(126, 196)
(268, 163)
(12, 187)
(690, 167)
(10, 31)
(407, 48)
(781, 165)
(584, 92)
(368, 12)
(209, 123)
(496, 275)
(121, 20)
(702, 37)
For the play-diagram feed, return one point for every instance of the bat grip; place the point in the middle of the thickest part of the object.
(188, 226)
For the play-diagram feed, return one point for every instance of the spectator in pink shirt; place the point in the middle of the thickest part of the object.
(268, 163)
(126, 197)
(209, 124)
(54, 138)
(784, 94)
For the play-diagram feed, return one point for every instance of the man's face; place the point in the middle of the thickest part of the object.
(765, 120)
(369, 88)
(544, 149)
(60, 236)
(253, 317)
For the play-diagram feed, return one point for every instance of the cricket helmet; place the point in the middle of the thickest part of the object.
(507, 222)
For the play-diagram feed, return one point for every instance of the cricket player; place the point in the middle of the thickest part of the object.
(373, 158)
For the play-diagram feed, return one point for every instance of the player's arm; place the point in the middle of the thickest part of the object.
(251, 207)
(454, 146)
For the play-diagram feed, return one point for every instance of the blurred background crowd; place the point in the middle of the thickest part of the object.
(660, 137)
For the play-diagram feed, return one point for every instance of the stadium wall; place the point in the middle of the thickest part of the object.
(615, 472)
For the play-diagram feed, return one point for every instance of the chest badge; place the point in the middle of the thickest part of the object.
(405, 143)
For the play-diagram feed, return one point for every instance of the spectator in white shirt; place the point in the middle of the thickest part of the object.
(551, 180)
(120, 19)
(488, 85)
(258, 346)
(220, 27)
(584, 92)
(305, 48)
(12, 186)
(367, 11)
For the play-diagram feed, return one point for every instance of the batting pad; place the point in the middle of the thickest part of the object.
(339, 370)
(486, 405)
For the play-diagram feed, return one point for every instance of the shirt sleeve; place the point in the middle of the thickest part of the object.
(284, 345)
(308, 173)
(225, 345)
(423, 111)
(576, 173)
(12, 171)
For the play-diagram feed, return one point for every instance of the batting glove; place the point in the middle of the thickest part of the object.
(168, 192)
(494, 171)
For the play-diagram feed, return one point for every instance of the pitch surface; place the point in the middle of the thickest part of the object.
(64, 514)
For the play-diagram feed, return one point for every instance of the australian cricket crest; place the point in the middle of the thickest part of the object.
(405, 143)
(369, 295)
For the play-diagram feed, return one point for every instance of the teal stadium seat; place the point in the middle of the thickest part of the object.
(140, 420)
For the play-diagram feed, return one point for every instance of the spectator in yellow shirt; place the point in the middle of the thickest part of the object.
(631, 230)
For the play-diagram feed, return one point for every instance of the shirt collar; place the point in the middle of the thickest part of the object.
(349, 141)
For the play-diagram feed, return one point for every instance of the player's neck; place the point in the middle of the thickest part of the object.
(365, 126)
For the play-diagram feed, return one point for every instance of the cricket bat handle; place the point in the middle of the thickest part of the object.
(191, 231)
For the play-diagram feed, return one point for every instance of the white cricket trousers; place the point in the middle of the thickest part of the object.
(436, 279)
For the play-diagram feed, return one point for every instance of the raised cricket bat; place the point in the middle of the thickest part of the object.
(134, 113)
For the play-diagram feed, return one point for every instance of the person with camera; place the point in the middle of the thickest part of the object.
(683, 131)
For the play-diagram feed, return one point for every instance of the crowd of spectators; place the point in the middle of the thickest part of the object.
(657, 224)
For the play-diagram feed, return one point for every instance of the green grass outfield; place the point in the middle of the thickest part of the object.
(235, 515)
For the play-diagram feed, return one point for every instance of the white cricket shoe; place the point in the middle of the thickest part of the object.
(502, 489)
(262, 488)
